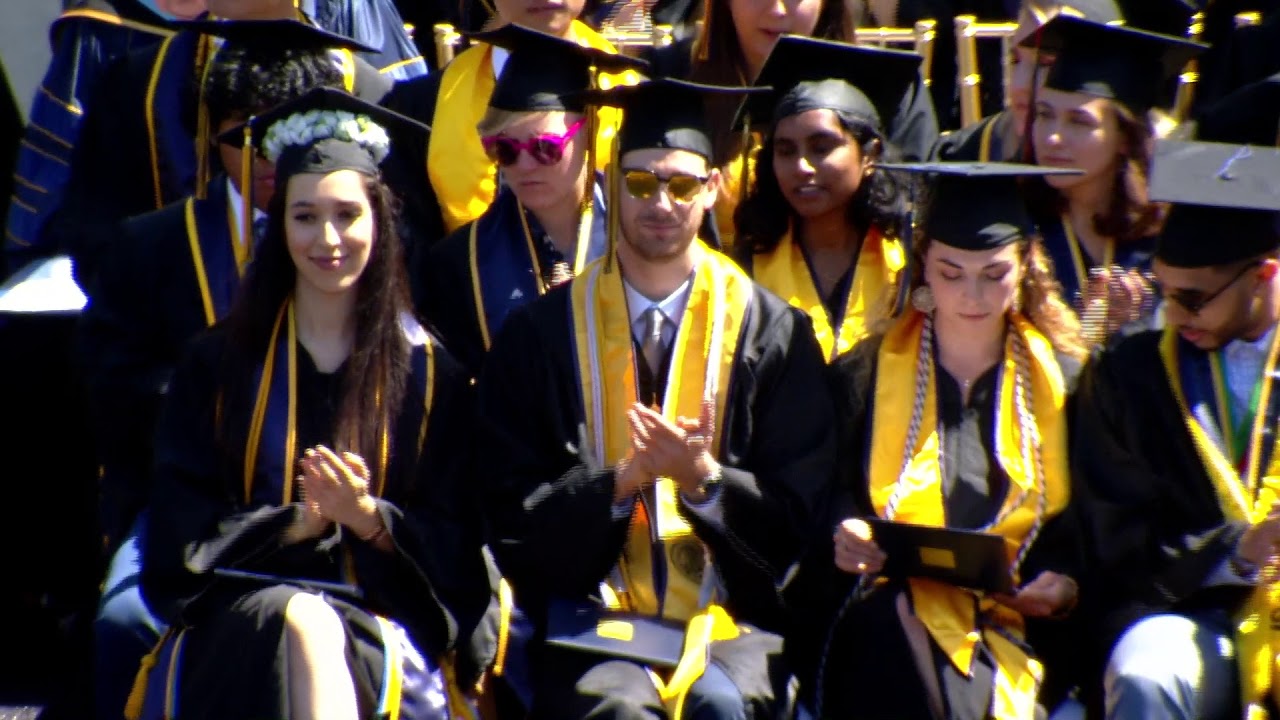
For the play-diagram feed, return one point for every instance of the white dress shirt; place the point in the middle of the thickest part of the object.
(237, 210)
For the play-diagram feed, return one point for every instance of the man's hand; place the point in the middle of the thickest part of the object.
(679, 450)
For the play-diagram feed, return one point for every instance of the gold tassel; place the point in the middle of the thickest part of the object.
(589, 196)
(138, 693)
(246, 191)
(613, 182)
(203, 131)
(748, 148)
(702, 43)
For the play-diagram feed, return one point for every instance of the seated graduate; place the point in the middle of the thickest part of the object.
(145, 140)
(172, 274)
(1002, 136)
(819, 225)
(461, 179)
(1176, 440)
(548, 219)
(86, 37)
(956, 417)
(1094, 113)
(732, 47)
(657, 440)
(315, 440)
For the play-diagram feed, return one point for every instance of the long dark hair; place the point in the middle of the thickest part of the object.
(374, 377)
(1131, 215)
(764, 217)
(717, 59)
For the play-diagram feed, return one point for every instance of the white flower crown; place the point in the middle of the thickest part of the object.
(315, 125)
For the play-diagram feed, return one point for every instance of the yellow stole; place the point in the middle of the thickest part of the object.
(786, 273)
(951, 613)
(732, 191)
(701, 363)
(464, 178)
(1254, 635)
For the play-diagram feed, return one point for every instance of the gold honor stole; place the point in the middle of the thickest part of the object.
(1254, 635)
(702, 360)
(949, 612)
(465, 180)
(732, 190)
(786, 273)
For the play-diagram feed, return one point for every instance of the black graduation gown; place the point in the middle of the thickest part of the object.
(553, 533)
(913, 129)
(965, 144)
(84, 41)
(1155, 528)
(144, 308)
(111, 177)
(861, 648)
(406, 169)
(433, 583)
(1250, 115)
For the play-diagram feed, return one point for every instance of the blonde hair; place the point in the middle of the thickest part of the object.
(1039, 294)
(497, 121)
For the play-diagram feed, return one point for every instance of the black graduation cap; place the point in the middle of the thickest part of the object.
(976, 206)
(544, 71)
(1226, 201)
(810, 74)
(1249, 115)
(274, 34)
(663, 113)
(322, 131)
(1121, 63)
(1103, 11)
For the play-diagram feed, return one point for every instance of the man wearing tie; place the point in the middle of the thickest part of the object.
(657, 449)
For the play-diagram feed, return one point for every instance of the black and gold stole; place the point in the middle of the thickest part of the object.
(1244, 489)
(906, 485)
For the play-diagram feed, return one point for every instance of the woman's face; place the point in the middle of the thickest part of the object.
(1028, 70)
(818, 164)
(759, 24)
(538, 186)
(973, 288)
(329, 228)
(549, 16)
(1074, 130)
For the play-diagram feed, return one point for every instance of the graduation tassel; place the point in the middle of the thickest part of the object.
(247, 241)
(613, 183)
(702, 43)
(748, 148)
(589, 196)
(202, 120)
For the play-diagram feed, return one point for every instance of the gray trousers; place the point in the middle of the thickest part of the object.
(1179, 667)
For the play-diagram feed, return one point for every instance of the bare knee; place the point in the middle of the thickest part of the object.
(312, 622)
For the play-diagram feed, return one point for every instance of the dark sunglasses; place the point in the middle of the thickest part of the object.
(644, 184)
(1193, 301)
(544, 149)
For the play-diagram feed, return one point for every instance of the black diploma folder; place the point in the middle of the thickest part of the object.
(964, 558)
(590, 628)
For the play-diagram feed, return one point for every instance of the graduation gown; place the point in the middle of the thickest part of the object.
(84, 40)
(1250, 115)
(550, 504)
(160, 286)
(466, 285)
(140, 155)
(206, 516)
(857, 648)
(376, 23)
(1071, 264)
(991, 139)
(1156, 526)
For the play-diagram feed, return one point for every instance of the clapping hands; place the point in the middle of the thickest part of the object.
(679, 450)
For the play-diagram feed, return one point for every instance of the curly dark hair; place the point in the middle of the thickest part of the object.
(764, 216)
(1131, 215)
(244, 80)
(375, 375)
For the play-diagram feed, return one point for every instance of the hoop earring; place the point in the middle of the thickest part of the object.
(922, 299)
